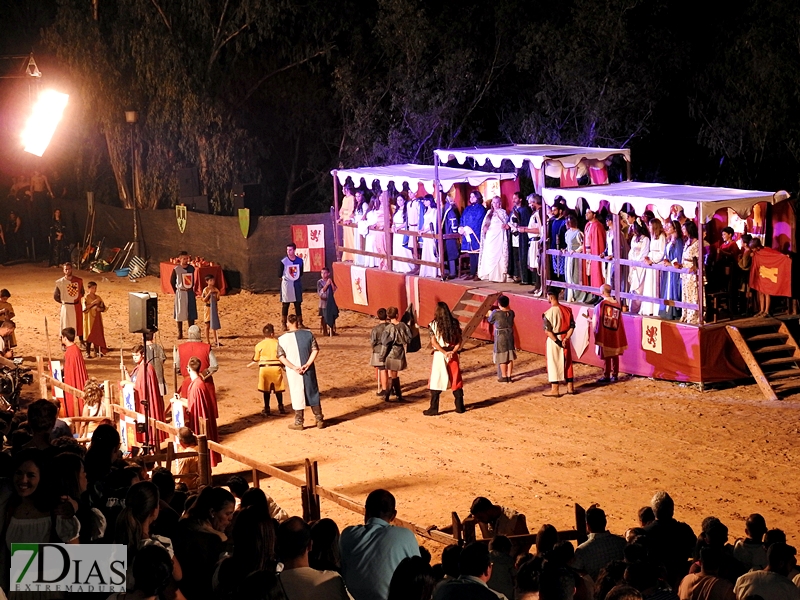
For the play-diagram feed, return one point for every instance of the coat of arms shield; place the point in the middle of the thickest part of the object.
(244, 221)
(180, 215)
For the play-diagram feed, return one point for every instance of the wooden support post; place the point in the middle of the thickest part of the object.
(256, 479)
(42, 379)
(311, 505)
(203, 461)
(701, 288)
(335, 216)
(315, 495)
(580, 523)
(616, 266)
(458, 532)
(107, 401)
(469, 531)
(386, 201)
(439, 229)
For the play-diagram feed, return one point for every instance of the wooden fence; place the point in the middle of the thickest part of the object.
(310, 489)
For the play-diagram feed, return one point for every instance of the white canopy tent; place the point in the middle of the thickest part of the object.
(661, 197)
(536, 154)
(414, 175)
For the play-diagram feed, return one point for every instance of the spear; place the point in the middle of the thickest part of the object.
(47, 337)
(121, 359)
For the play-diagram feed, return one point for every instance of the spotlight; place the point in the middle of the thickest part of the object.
(42, 123)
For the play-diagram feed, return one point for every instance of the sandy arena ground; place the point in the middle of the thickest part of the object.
(725, 453)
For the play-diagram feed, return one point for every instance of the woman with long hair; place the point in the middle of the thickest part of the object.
(671, 282)
(34, 513)
(71, 481)
(201, 539)
(359, 219)
(133, 524)
(152, 574)
(445, 332)
(324, 555)
(253, 550)
(640, 247)
(430, 247)
(412, 580)
(690, 260)
(652, 277)
(493, 257)
(400, 223)
(573, 267)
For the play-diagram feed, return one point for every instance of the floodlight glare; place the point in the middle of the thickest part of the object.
(42, 123)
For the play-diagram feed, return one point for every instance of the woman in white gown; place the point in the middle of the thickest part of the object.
(652, 277)
(429, 251)
(399, 223)
(359, 216)
(573, 267)
(375, 238)
(493, 258)
(640, 248)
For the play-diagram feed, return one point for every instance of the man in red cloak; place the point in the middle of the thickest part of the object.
(594, 241)
(145, 386)
(201, 407)
(208, 364)
(74, 371)
(609, 334)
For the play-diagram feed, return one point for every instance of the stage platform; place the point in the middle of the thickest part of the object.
(689, 353)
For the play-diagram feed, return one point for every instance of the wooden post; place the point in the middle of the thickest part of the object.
(203, 461)
(580, 523)
(437, 194)
(616, 265)
(387, 228)
(544, 264)
(315, 495)
(311, 509)
(42, 380)
(107, 400)
(458, 532)
(701, 289)
(335, 219)
(256, 479)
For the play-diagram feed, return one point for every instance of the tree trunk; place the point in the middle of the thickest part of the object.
(118, 166)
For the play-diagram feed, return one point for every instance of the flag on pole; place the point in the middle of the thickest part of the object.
(771, 273)
(310, 242)
(358, 283)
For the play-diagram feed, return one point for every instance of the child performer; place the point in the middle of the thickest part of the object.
(504, 353)
(7, 314)
(93, 309)
(609, 334)
(376, 358)
(210, 297)
(93, 406)
(328, 311)
(394, 340)
(270, 372)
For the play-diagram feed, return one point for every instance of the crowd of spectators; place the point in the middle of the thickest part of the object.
(234, 542)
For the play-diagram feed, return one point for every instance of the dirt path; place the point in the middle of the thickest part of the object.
(724, 453)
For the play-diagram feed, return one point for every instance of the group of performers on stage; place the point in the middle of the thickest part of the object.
(504, 246)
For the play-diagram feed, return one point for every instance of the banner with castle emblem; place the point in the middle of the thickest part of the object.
(310, 242)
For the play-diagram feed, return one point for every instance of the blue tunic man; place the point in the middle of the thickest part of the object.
(470, 230)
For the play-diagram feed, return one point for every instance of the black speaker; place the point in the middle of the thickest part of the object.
(248, 195)
(188, 182)
(142, 312)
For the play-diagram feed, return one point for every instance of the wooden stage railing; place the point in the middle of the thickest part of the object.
(311, 492)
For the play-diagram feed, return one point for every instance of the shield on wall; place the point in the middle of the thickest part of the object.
(180, 215)
(244, 221)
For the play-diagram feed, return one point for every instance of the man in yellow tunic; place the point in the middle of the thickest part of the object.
(270, 372)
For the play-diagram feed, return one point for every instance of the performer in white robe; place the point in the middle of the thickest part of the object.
(400, 223)
(640, 248)
(68, 293)
(362, 208)
(429, 245)
(346, 212)
(534, 229)
(559, 325)
(493, 259)
(297, 351)
(374, 234)
(652, 277)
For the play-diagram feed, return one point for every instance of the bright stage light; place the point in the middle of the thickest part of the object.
(42, 123)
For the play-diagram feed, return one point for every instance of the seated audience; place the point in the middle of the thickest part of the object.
(371, 552)
(644, 577)
(412, 580)
(670, 542)
(750, 550)
(324, 555)
(772, 582)
(707, 585)
(503, 571)
(475, 569)
(601, 548)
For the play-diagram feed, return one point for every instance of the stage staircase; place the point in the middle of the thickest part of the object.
(472, 308)
(771, 354)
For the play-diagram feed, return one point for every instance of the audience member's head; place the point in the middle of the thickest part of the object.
(755, 527)
(646, 516)
(237, 485)
(556, 583)
(562, 554)
(262, 585)
(710, 559)
(164, 480)
(475, 561)
(380, 504)
(214, 506)
(500, 544)
(42, 415)
(780, 558)
(609, 577)
(412, 580)
(663, 506)
(186, 437)
(595, 519)
(257, 499)
(643, 576)
(450, 556)
(152, 570)
(774, 536)
(623, 592)
(324, 553)
(634, 553)
(527, 584)
(294, 539)
(546, 539)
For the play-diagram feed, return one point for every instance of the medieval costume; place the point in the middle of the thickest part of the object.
(493, 258)
(185, 307)
(290, 271)
(345, 216)
(652, 277)
(270, 372)
(400, 241)
(470, 225)
(445, 374)
(75, 375)
(296, 347)
(201, 406)
(609, 336)
(69, 293)
(430, 250)
(93, 310)
(558, 320)
(146, 388)
(518, 245)
(671, 282)
(594, 242)
(450, 226)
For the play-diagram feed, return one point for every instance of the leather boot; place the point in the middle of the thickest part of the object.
(281, 409)
(265, 412)
(396, 387)
(459, 395)
(317, 410)
(283, 324)
(433, 410)
(298, 421)
(180, 330)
